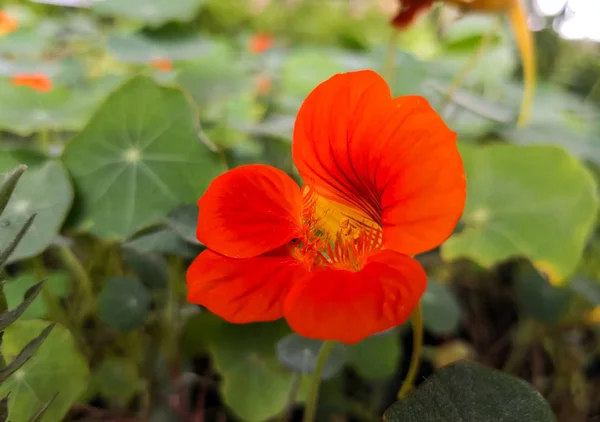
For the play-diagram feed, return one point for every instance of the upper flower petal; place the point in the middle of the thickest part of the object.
(409, 11)
(242, 290)
(350, 306)
(249, 210)
(392, 160)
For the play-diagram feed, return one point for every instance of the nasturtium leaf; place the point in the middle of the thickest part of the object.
(537, 298)
(151, 268)
(441, 310)
(57, 367)
(470, 392)
(123, 303)
(151, 12)
(25, 43)
(138, 157)
(303, 70)
(44, 189)
(300, 355)
(163, 240)
(558, 118)
(24, 111)
(376, 357)
(255, 385)
(116, 378)
(215, 80)
(183, 220)
(144, 48)
(57, 283)
(536, 202)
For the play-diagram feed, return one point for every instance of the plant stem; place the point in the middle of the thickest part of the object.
(388, 66)
(44, 141)
(84, 283)
(470, 64)
(415, 359)
(291, 400)
(313, 393)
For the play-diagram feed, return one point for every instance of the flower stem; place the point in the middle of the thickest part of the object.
(471, 63)
(313, 394)
(415, 359)
(81, 276)
(390, 58)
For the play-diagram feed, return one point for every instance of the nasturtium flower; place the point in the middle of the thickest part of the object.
(383, 181)
(8, 24)
(36, 81)
(260, 43)
(162, 64)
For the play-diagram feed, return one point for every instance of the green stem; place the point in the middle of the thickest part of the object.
(44, 141)
(415, 359)
(313, 393)
(471, 63)
(84, 283)
(388, 66)
(291, 400)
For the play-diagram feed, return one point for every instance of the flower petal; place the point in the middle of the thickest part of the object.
(393, 160)
(409, 11)
(242, 290)
(249, 210)
(350, 306)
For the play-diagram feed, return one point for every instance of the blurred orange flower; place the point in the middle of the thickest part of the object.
(383, 181)
(162, 65)
(7, 23)
(36, 81)
(260, 43)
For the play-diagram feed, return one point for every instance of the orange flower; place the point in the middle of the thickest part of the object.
(162, 65)
(410, 9)
(36, 81)
(7, 23)
(383, 181)
(260, 43)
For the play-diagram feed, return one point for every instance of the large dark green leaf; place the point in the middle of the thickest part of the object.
(138, 158)
(123, 304)
(470, 392)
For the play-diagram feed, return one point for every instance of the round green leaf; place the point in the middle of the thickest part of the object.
(441, 311)
(151, 268)
(183, 220)
(44, 189)
(151, 12)
(24, 111)
(123, 304)
(14, 290)
(470, 392)
(144, 48)
(163, 240)
(140, 151)
(537, 202)
(57, 367)
(116, 378)
(303, 70)
(255, 386)
(376, 357)
(300, 355)
(537, 298)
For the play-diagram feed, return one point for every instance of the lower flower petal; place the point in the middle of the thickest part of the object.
(350, 306)
(242, 290)
(249, 210)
